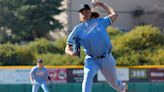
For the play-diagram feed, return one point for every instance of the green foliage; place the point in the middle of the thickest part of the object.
(29, 19)
(142, 45)
(51, 52)
(139, 46)
(60, 59)
(15, 55)
(41, 46)
(156, 58)
(114, 32)
(60, 44)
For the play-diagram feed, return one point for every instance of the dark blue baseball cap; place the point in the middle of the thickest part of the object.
(40, 60)
(84, 7)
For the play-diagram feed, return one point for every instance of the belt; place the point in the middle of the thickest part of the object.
(98, 57)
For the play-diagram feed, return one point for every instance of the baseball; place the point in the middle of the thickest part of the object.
(94, 2)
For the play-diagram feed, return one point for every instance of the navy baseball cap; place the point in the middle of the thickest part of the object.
(39, 60)
(84, 7)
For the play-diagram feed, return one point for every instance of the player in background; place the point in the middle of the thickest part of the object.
(39, 76)
(93, 37)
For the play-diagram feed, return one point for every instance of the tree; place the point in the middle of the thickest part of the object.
(29, 19)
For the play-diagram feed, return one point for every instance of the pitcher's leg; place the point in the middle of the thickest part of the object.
(109, 71)
(90, 69)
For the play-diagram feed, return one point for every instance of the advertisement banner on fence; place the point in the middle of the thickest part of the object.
(138, 75)
(14, 76)
(21, 76)
(58, 75)
(76, 75)
(157, 74)
(122, 74)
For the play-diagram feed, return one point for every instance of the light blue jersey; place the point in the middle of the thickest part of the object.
(39, 75)
(92, 36)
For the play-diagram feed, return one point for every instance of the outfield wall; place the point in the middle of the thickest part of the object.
(76, 87)
(69, 78)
